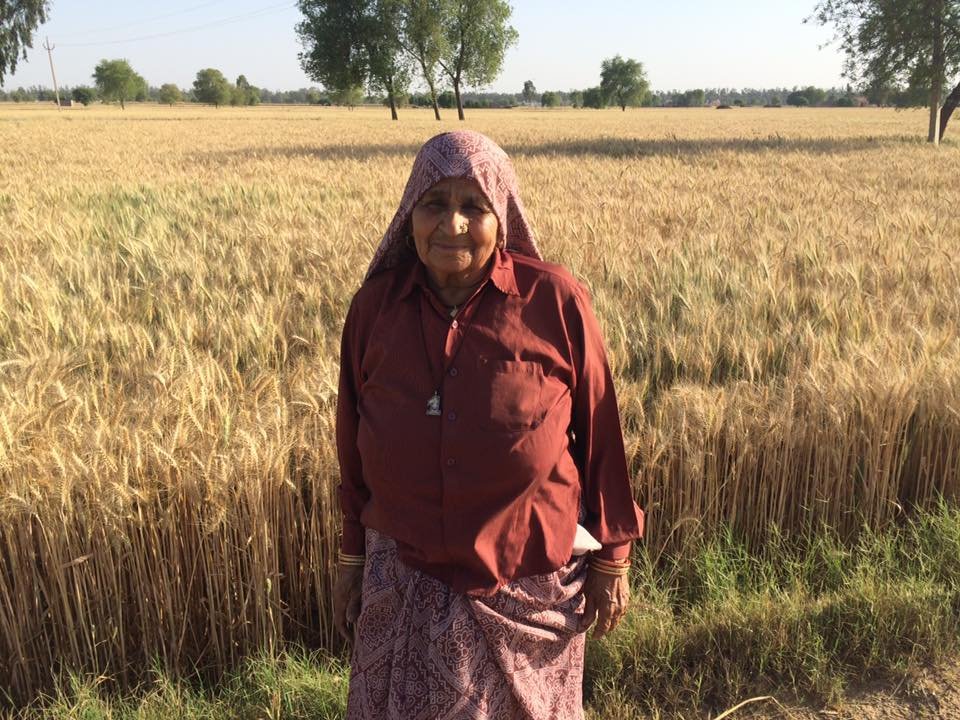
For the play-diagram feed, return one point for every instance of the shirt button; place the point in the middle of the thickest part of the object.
(454, 324)
(454, 372)
(451, 416)
(451, 462)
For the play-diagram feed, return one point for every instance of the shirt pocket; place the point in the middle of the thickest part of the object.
(513, 392)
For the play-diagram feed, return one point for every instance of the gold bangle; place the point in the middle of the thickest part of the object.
(352, 560)
(615, 573)
(608, 566)
(615, 564)
(615, 568)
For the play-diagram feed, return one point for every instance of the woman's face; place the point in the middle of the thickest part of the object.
(454, 230)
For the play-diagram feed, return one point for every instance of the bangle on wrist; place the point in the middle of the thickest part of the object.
(351, 560)
(625, 562)
(617, 568)
(621, 572)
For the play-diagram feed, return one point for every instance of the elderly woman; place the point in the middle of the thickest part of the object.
(481, 457)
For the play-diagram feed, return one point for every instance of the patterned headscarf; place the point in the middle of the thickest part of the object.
(459, 154)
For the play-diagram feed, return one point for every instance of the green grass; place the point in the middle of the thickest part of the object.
(294, 685)
(798, 619)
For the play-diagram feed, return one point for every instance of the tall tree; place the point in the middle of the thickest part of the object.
(243, 93)
(478, 35)
(529, 93)
(904, 42)
(388, 66)
(348, 43)
(424, 39)
(116, 80)
(212, 88)
(18, 20)
(623, 82)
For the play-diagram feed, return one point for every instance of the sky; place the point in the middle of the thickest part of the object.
(682, 44)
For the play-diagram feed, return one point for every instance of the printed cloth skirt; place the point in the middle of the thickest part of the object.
(425, 652)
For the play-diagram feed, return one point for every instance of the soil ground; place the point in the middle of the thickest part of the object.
(930, 693)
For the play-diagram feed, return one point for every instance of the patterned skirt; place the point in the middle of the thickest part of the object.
(425, 652)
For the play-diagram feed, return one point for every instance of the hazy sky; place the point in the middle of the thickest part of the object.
(683, 44)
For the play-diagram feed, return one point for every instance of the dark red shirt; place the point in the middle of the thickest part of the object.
(528, 437)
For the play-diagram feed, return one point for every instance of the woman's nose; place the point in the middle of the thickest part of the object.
(455, 222)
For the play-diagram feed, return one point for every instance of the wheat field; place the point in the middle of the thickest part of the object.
(779, 293)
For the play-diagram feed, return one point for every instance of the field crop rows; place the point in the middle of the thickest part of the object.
(779, 291)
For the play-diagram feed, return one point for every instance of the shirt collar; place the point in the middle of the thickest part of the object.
(501, 275)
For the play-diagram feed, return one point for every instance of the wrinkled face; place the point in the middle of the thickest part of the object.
(454, 229)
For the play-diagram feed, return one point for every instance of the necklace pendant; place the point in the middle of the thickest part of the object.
(433, 404)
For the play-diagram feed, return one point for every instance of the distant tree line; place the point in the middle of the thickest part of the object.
(241, 93)
(117, 81)
(904, 53)
(623, 84)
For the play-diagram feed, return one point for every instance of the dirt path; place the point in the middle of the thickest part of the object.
(932, 693)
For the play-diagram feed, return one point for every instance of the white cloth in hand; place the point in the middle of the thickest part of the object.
(584, 542)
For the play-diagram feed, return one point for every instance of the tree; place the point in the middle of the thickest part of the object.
(623, 81)
(550, 99)
(478, 35)
(350, 43)
(424, 40)
(576, 98)
(447, 100)
(83, 95)
(141, 91)
(689, 98)
(349, 97)
(797, 99)
(243, 93)
(901, 42)
(18, 20)
(116, 80)
(593, 98)
(814, 95)
(170, 94)
(529, 93)
(212, 88)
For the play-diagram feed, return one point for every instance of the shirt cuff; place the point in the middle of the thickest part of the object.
(353, 541)
(617, 551)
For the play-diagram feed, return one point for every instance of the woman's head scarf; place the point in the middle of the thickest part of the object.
(459, 154)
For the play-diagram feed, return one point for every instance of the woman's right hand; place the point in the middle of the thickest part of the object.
(346, 599)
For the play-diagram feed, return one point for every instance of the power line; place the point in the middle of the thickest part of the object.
(123, 26)
(225, 21)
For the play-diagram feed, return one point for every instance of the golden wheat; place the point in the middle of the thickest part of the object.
(779, 291)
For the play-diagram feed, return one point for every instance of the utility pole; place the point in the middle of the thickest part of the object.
(56, 91)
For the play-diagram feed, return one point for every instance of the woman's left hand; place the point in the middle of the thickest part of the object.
(607, 599)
